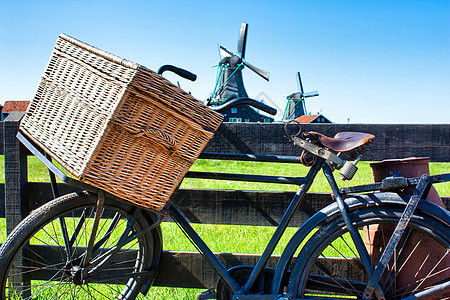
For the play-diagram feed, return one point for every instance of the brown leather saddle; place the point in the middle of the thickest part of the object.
(342, 142)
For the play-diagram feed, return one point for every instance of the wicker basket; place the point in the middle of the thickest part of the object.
(116, 124)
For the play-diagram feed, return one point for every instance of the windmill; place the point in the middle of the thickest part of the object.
(295, 106)
(229, 83)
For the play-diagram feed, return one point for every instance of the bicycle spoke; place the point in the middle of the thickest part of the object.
(56, 236)
(56, 294)
(346, 258)
(29, 249)
(333, 279)
(348, 246)
(118, 238)
(88, 291)
(28, 289)
(73, 294)
(108, 233)
(91, 287)
(47, 286)
(34, 269)
(56, 242)
(333, 284)
(59, 280)
(422, 280)
(78, 227)
(426, 259)
(411, 254)
(106, 256)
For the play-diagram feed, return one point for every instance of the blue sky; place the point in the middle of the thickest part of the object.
(372, 61)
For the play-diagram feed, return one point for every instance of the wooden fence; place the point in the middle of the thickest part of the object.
(225, 207)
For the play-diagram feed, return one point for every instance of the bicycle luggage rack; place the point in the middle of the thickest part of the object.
(49, 164)
(392, 183)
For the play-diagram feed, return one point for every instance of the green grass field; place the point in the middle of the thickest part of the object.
(240, 239)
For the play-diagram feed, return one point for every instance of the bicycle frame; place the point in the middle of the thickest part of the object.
(304, 182)
(243, 292)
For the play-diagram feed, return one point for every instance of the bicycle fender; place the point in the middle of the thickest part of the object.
(352, 203)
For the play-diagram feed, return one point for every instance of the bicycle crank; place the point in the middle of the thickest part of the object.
(241, 275)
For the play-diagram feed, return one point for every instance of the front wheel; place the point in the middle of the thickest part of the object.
(44, 256)
(329, 266)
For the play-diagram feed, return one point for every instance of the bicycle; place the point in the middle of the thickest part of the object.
(81, 243)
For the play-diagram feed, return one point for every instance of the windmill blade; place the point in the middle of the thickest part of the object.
(220, 51)
(260, 72)
(242, 42)
(311, 94)
(300, 82)
(224, 51)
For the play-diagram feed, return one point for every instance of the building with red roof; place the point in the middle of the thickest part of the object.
(319, 118)
(11, 106)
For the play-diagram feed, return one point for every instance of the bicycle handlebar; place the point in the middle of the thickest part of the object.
(229, 104)
(180, 72)
(246, 101)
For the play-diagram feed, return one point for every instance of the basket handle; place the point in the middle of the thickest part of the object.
(168, 141)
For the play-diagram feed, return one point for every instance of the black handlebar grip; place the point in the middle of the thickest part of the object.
(180, 72)
(246, 101)
(270, 110)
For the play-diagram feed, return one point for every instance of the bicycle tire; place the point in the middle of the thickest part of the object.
(410, 271)
(48, 272)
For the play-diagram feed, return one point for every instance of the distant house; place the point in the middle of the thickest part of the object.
(11, 106)
(245, 113)
(319, 118)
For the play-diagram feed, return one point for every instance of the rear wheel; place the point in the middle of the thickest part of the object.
(328, 266)
(42, 260)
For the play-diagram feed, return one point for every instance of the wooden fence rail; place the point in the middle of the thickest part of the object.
(225, 207)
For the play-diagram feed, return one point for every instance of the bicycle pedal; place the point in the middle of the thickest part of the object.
(209, 294)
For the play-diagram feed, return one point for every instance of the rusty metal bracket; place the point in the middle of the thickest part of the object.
(319, 151)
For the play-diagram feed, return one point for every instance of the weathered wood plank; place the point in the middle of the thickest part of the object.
(216, 206)
(245, 207)
(393, 140)
(192, 271)
(212, 206)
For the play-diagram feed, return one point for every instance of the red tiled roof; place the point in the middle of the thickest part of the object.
(11, 106)
(306, 118)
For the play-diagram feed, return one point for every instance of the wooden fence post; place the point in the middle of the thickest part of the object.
(16, 177)
(16, 201)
